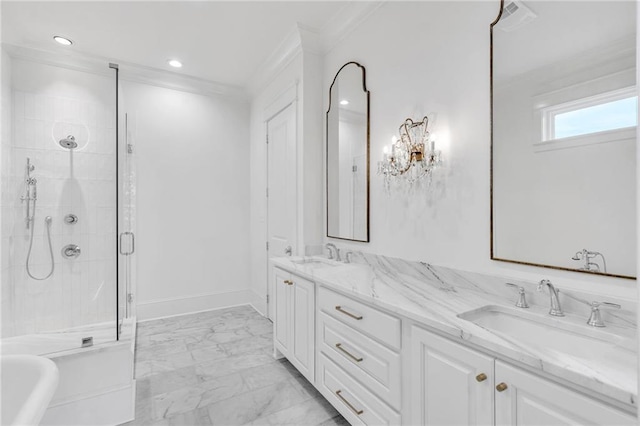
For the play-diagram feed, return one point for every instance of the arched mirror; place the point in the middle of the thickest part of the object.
(564, 119)
(348, 155)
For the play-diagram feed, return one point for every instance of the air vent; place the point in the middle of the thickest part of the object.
(515, 15)
(509, 9)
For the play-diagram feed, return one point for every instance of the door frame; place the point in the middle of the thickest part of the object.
(288, 97)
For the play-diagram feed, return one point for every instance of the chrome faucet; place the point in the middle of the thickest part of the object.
(347, 257)
(556, 309)
(333, 249)
(587, 256)
(522, 300)
(595, 319)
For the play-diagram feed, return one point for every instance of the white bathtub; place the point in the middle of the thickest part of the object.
(96, 385)
(28, 384)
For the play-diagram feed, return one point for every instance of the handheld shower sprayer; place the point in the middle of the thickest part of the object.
(31, 196)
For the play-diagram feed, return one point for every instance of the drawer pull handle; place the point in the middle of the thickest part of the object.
(356, 317)
(481, 377)
(348, 404)
(501, 387)
(350, 355)
(288, 282)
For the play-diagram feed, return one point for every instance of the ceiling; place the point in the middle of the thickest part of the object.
(562, 30)
(220, 41)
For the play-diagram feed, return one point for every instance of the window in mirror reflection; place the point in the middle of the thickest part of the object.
(608, 111)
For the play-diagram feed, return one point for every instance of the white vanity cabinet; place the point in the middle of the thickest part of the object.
(359, 363)
(530, 400)
(294, 321)
(450, 384)
(377, 367)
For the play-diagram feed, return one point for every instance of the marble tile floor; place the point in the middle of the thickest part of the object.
(217, 368)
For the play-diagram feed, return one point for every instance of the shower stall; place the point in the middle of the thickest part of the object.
(67, 227)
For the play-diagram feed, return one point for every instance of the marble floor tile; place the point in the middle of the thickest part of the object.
(216, 337)
(249, 344)
(208, 354)
(222, 367)
(251, 405)
(217, 368)
(170, 362)
(170, 380)
(315, 411)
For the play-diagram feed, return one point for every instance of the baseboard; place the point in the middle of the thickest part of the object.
(161, 308)
(259, 303)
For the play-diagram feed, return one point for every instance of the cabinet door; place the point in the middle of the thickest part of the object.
(303, 342)
(282, 310)
(450, 384)
(531, 400)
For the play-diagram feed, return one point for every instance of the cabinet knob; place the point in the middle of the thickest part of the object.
(501, 387)
(481, 377)
(288, 282)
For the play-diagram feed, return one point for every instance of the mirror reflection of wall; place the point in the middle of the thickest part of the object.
(564, 136)
(347, 155)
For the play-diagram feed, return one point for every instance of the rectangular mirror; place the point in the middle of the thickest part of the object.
(564, 118)
(348, 155)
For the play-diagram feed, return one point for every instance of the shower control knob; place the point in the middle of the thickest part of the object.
(71, 219)
(71, 251)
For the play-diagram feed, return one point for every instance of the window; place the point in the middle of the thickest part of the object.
(601, 113)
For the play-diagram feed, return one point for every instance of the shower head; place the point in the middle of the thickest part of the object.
(69, 142)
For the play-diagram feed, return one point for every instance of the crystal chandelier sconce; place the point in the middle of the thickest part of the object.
(413, 156)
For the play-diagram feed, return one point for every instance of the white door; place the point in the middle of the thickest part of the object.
(450, 384)
(527, 400)
(281, 187)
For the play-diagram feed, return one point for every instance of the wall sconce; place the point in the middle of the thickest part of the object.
(413, 156)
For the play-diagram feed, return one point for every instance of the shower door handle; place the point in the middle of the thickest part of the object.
(133, 243)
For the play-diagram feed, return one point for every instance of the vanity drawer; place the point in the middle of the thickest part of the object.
(357, 404)
(374, 365)
(381, 326)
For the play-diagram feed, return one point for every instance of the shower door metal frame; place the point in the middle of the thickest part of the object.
(115, 67)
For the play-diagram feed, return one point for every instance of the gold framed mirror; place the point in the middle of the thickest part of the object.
(347, 171)
(563, 135)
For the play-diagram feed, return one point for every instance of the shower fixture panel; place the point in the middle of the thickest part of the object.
(70, 219)
(71, 251)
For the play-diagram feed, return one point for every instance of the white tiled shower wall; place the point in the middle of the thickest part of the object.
(82, 182)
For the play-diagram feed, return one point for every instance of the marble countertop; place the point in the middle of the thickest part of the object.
(435, 296)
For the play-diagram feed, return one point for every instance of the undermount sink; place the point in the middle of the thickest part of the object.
(314, 261)
(28, 384)
(563, 334)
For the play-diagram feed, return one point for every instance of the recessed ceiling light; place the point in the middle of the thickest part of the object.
(175, 63)
(62, 40)
(344, 102)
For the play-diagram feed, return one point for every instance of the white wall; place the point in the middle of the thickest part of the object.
(192, 155)
(434, 56)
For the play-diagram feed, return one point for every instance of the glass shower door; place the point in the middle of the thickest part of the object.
(60, 209)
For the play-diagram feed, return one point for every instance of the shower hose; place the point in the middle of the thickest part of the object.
(47, 223)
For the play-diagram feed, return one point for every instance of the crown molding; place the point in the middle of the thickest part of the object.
(347, 19)
(304, 39)
(288, 49)
(128, 71)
